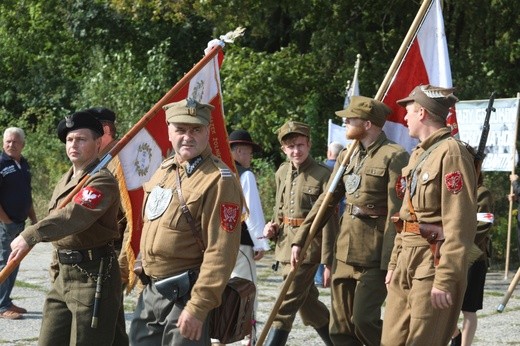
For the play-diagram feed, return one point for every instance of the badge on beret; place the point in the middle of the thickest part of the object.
(454, 181)
(68, 121)
(400, 186)
(88, 197)
(229, 216)
(192, 106)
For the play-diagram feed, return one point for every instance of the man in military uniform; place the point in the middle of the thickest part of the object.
(107, 118)
(371, 186)
(299, 183)
(192, 216)
(82, 231)
(427, 272)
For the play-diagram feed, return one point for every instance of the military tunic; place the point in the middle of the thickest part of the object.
(365, 242)
(114, 166)
(87, 222)
(297, 191)
(168, 246)
(444, 191)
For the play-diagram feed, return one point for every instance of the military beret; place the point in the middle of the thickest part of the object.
(102, 114)
(293, 127)
(188, 111)
(243, 137)
(436, 100)
(367, 109)
(78, 120)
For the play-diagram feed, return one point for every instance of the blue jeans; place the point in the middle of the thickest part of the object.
(318, 278)
(7, 234)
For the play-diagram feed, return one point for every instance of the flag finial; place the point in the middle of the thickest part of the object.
(223, 39)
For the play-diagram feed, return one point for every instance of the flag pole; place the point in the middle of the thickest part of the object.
(11, 265)
(509, 223)
(419, 18)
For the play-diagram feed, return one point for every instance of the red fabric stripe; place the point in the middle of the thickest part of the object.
(411, 73)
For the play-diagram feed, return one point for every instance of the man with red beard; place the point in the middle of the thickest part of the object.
(371, 185)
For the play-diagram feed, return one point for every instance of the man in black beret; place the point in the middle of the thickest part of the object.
(109, 139)
(82, 229)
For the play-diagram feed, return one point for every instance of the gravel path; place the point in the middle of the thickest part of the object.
(33, 282)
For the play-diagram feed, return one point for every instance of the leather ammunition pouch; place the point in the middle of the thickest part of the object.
(176, 287)
(398, 223)
(367, 211)
(66, 256)
(434, 235)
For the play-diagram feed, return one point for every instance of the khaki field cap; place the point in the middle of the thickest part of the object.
(188, 111)
(436, 100)
(367, 109)
(293, 127)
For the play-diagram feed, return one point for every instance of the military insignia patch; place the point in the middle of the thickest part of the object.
(88, 197)
(454, 181)
(400, 186)
(229, 216)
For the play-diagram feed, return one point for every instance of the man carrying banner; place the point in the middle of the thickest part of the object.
(299, 183)
(372, 188)
(191, 234)
(427, 272)
(82, 306)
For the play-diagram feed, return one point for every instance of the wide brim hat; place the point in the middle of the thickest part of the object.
(243, 137)
(366, 108)
(76, 121)
(188, 111)
(437, 100)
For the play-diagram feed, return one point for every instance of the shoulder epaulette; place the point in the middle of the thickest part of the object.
(225, 173)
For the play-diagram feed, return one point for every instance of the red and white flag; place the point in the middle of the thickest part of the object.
(425, 62)
(143, 154)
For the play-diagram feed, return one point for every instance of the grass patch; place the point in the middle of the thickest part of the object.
(25, 284)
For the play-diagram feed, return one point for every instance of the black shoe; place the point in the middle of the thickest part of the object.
(456, 341)
(277, 337)
(323, 332)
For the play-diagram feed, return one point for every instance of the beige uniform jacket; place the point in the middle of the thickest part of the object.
(168, 246)
(88, 221)
(295, 197)
(366, 241)
(445, 193)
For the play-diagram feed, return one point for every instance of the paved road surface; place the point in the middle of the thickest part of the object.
(33, 282)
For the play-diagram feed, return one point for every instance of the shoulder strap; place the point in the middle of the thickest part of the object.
(196, 231)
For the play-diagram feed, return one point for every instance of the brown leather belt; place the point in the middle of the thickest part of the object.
(66, 256)
(294, 222)
(411, 227)
(365, 211)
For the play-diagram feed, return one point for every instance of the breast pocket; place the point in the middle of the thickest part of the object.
(375, 179)
(310, 195)
(175, 218)
(428, 189)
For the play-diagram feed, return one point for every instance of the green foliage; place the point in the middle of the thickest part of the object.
(264, 171)
(293, 63)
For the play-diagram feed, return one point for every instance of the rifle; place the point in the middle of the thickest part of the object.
(479, 156)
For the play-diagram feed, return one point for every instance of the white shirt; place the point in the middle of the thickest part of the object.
(255, 221)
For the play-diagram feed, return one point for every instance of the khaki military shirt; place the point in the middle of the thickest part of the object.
(168, 247)
(86, 222)
(445, 192)
(297, 190)
(365, 241)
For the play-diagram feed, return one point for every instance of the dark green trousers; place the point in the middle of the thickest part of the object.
(67, 312)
